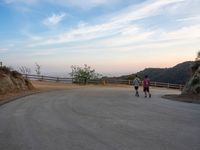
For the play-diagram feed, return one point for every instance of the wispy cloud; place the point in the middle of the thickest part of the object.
(54, 19)
(42, 53)
(193, 18)
(87, 4)
(147, 9)
(20, 1)
(3, 49)
(157, 28)
(113, 26)
(187, 32)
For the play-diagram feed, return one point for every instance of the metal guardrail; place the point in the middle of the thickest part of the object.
(99, 81)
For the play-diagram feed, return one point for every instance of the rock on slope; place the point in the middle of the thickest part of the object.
(12, 81)
(193, 85)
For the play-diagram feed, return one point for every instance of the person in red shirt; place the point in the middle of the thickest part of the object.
(146, 84)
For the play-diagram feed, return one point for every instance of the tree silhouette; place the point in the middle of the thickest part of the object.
(198, 56)
(24, 70)
(37, 69)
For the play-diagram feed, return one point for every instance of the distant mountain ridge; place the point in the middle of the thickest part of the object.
(178, 74)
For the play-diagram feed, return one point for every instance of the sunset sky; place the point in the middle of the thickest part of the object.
(114, 37)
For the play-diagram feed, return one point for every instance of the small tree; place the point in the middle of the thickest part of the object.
(25, 70)
(131, 77)
(83, 74)
(37, 69)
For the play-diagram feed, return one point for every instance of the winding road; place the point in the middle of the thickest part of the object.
(97, 118)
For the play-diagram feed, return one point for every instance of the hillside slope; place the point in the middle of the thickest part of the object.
(178, 74)
(12, 81)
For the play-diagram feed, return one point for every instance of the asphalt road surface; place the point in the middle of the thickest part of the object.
(99, 119)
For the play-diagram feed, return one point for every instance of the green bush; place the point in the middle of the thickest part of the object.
(83, 75)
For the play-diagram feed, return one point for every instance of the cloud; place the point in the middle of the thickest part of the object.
(3, 49)
(54, 19)
(156, 39)
(193, 18)
(20, 1)
(187, 32)
(150, 8)
(113, 26)
(87, 4)
(42, 53)
(140, 39)
(120, 32)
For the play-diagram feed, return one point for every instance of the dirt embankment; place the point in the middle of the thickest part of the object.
(12, 83)
(39, 86)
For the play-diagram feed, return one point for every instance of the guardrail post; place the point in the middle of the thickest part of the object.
(168, 85)
(57, 80)
(129, 82)
(155, 84)
(180, 86)
(104, 82)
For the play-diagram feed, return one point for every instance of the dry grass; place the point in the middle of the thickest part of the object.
(40, 86)
(45, 85)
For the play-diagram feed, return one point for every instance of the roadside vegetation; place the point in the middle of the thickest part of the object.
(83, 74)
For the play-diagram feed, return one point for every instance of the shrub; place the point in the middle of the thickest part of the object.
(5, 70)
(15, 74)
(83, 74)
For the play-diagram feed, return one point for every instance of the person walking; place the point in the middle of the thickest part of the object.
(136, 84)
(146, 84)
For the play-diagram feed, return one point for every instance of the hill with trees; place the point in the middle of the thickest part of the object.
(178, 74)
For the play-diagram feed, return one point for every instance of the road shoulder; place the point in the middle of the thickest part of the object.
(181, 98)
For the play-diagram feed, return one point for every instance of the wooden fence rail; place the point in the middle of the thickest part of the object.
(99, 81)
(153, 83)
(48, 78)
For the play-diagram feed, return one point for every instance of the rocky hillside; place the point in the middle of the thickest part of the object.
(12, 81)
(193, 85)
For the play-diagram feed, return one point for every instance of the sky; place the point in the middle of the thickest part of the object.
(114, 37)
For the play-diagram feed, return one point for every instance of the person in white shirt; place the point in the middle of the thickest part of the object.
(136, 84)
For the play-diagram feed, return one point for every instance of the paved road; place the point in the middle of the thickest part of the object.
(99, 119)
